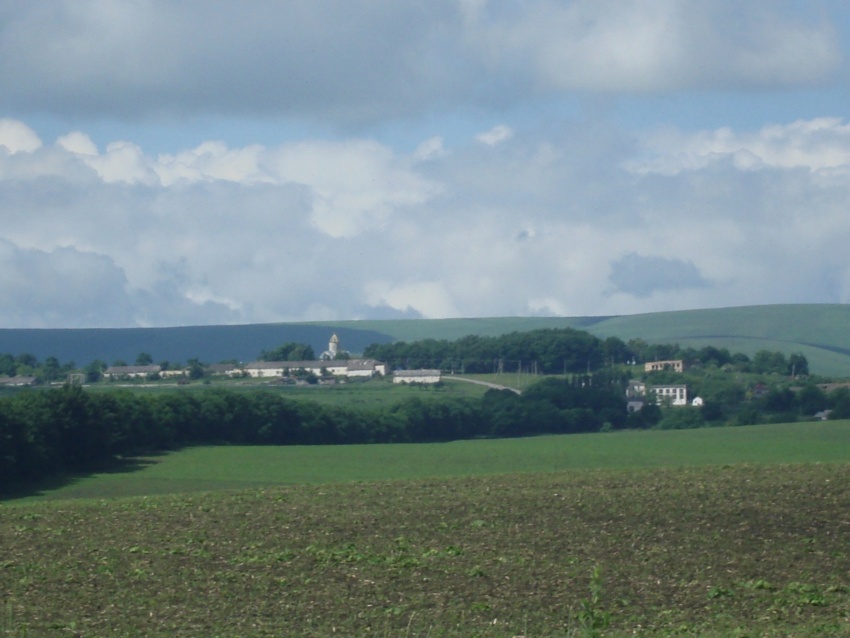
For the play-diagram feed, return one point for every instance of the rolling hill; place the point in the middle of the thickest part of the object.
(819, 331)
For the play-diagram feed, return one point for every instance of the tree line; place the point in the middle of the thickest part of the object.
(70, 429)
(565, 350)
(543, 351)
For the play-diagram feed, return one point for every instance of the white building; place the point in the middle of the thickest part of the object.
(333, 349)
(337, 368)
(674, 395)
(131, 372)
(417, 376)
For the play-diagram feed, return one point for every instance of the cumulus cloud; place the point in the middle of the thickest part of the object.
(431, 148)
(355, 185)
(17, 137)
(428, 299)
(818, 145)
(572, 220)
(77, 143)
(350, 61)
(62, 287)
(495, 135)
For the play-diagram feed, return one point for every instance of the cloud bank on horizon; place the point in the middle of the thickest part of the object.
(199, 162)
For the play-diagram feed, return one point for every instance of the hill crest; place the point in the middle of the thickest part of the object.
(819, 331)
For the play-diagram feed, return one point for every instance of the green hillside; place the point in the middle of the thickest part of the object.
(819, 331)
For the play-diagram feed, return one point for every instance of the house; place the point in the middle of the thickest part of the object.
(634, 405)
(676, 365)
(674, 395)
(417, 376)
(635, 389)
(131, 372)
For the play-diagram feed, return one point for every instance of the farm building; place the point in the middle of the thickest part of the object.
(131, 372)
(676, 365)
(224, 370)
(17, 381)
(338, 368)
(417, 376)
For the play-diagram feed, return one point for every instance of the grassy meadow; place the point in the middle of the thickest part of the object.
(711, 532)
(237, 467)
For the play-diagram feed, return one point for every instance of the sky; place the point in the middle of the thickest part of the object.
(201, 162)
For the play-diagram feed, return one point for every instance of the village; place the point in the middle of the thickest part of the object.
(333, 366)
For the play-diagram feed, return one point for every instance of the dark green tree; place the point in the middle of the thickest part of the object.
(289, 351)
(94, 371)
(798, 365)
(196, 369)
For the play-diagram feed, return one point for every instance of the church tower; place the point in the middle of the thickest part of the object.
(333, 346)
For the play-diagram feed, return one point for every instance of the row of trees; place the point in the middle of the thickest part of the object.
(566, 350)
(547, 351)
(69, 429)
(28, 365)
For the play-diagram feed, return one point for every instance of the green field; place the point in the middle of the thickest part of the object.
(214, 468)
(371, 394)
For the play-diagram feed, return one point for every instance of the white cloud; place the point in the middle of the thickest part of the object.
(77, 143)
(430, 299)
(495, 135)
(17, 137)
(213, 161)
(818, 144)
(355, 185)
(123, 162)
(431, 148)
(305, 230)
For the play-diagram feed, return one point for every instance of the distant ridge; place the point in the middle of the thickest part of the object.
(819, 331)
(210, 344)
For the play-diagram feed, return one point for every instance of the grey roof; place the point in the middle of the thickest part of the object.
(418, 373)
(361, 364)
